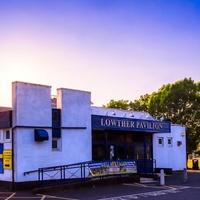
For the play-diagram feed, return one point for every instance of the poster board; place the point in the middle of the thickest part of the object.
(7, 159)
(112, 168)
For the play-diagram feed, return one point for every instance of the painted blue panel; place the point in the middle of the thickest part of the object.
(125, 124)
(1, 148)
(1, 159)
(56, 132)
(56, 119)
(1, 165)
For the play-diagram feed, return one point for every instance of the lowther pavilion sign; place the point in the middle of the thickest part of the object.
(126, 124)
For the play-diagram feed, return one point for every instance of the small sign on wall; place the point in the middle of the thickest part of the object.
(7, 159)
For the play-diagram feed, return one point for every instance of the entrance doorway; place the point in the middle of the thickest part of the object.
(115, 145)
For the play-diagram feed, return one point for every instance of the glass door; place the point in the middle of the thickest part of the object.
(129, 152)
(139, 152)
(121, 152)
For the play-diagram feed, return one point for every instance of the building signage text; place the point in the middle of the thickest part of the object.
(130, 124)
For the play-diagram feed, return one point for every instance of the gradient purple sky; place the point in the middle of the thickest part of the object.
(117, 49)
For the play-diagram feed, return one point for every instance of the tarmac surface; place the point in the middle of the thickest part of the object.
(176, 187)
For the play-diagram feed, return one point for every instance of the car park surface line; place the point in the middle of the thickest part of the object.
(10, 196)
(138, 195)
(160, 187)
(43, 197)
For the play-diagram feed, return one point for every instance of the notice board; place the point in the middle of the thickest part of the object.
(7, 159)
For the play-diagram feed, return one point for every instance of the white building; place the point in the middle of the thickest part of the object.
(35, 135)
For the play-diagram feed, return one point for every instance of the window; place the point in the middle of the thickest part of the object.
(160, 141)
(6, 135)
(169, 141)
(56, 139)
(56, 130)
(56, 144)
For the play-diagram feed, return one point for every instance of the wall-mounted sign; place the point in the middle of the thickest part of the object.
(126, 124)
(7, 159)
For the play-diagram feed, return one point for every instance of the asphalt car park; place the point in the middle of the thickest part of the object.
(175, 188)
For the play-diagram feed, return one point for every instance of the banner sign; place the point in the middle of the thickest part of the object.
(112, 167)
(126, 124)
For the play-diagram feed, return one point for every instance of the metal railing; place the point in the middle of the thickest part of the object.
(61, 174)
(80, 172)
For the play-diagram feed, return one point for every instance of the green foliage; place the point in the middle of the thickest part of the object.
(141, 104)
(120, 104)
(178, 102)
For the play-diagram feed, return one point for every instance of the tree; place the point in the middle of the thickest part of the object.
(180, 104)
(138, 105)
(141, 104)
(120, 104)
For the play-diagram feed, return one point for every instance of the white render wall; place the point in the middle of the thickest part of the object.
(75, 108)
(171, 156)
(31, 103)
(32, 107)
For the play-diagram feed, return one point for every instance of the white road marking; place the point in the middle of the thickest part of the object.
(160, 187)
(143, 185)
(10, 196)
(148, 180)
(139, 195)
(43, 197)
(195, 187)
(168, 190)
(135, 184)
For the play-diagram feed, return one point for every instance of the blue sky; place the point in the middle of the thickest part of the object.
(117, 49)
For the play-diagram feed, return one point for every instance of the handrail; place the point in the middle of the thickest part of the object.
(91, 169)
(54, 167)
(33, 171)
